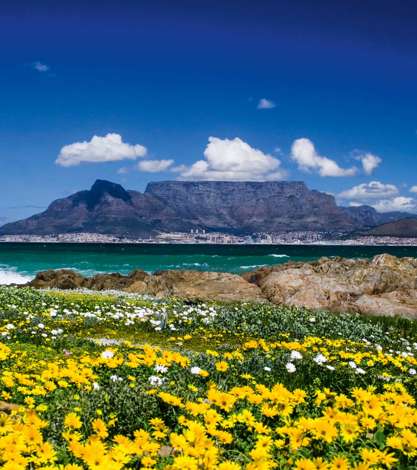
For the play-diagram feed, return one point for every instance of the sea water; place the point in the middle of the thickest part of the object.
(19, 262)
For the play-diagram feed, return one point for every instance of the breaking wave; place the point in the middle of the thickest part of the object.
(274, 255)
(186, 265)
(11, 276)
(252, 266)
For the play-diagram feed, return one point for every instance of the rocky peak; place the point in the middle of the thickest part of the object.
(99, 190)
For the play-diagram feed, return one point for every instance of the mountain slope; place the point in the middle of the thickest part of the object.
(106, 208)
(400, 228)
(231, 207)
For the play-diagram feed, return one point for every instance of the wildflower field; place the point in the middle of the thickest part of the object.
(91, 381)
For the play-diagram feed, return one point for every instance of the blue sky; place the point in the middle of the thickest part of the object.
(338, 82)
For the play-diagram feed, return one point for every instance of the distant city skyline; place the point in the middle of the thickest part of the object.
(135, 91)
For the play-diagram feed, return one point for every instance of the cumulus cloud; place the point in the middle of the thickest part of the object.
(305, 155)
(155, 166)
(399, 203)
(382, 197)
(232, 160)
(109, 148)
(40, 67)
(369, 191)
(264, 103)
(413, 189)
(369, 162)
(180, 169)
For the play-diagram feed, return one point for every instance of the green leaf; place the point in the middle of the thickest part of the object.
(379, 438)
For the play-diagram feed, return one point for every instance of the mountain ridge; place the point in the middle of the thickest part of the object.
(181, 206)
(405, 228)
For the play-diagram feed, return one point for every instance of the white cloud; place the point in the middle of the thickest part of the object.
(399, 203)
(264, 103)
(233, 160)
(109, 148)
(304, 153)
(413, 189)
(155, 166)
(40, 67)
(369, 162)
(180, 168)
(369, 191)
(382, 197)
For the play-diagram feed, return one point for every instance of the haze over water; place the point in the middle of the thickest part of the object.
(19, 262)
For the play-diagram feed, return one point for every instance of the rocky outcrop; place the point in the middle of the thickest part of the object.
(67, 279)
(385, 285)
(184, 284)
(199, 285)
(220, 206)
(59, 279)
(115, 281)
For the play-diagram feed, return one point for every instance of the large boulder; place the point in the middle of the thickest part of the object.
(199, 285)
(385, 273)
(68, 279)
(384, 285)
(58, 279)
(304, 287)
(115, 281)
(394, 303)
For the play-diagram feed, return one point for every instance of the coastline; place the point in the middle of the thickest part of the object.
(384, 284)
(20, 261)
(93, 238)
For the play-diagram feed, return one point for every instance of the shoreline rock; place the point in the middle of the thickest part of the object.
(197, 285)
(383, 285)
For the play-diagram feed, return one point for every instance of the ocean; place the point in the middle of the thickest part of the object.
(19, 262)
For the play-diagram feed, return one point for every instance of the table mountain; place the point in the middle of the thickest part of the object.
(230, 207)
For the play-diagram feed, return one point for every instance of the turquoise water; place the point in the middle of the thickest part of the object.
(19, 262)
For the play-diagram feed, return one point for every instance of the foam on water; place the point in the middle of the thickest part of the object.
(205, 265)
(274, 255)
(252, 266)
(11, 276)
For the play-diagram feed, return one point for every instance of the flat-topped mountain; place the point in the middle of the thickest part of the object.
(167, 206)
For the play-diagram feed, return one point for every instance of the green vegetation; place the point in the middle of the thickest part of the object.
(91, 381)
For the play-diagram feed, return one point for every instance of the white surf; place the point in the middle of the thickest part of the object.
(11, 276)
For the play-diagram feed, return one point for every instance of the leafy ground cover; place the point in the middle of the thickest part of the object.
(91, 381)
